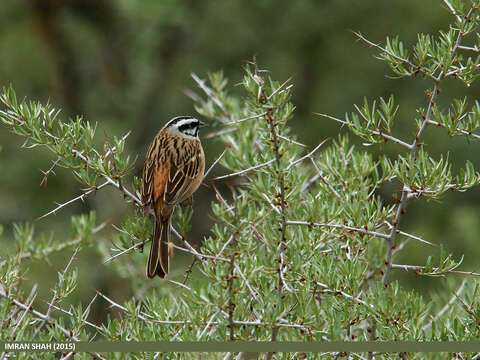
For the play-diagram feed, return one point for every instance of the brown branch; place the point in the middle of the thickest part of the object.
(272, 123)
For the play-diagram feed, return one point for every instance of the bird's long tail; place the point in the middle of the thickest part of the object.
(158, 258)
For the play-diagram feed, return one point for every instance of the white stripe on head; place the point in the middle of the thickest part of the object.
(186, 126)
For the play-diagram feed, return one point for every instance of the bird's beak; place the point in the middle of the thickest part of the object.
(202, 124)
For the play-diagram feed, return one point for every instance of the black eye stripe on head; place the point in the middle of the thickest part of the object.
(177, 119)
(191, 125)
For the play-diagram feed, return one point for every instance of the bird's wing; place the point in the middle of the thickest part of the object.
(183, 172)
(147, 178)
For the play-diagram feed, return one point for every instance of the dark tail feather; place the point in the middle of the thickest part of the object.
(158, 259)
(164, 240)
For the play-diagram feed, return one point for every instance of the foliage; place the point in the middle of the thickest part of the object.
(303, 246)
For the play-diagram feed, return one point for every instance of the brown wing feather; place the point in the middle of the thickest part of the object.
(160, 178)
(149, 170)
(170, 175)
(184, 172)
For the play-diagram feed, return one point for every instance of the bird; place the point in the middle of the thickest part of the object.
(173, 170)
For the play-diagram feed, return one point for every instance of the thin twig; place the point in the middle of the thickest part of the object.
(245, 119)
(282, 272)
(291, 141)
(109, 181)
(209, 322)
(179, 284)
(87, 309)
(123, 190)
(310, 181)
(410, 235)
(80, 197)
(55, 307)
(208, 92)
(374, 132)
(225, 245)
(188, 272)
(199, 255)
(116, 305)
(452, 10)
(67, 356)
(108, 178)
(325, 181)
(244, 171)
(189, 248)
(279, 88)
(457, 45)
(131, 248)
(219, 196)
(446, 307)
(413, 67)
(50, 170)
(309, 155)
(214, 163)
(271, 204)
(326, 289)
(339, 226)
(458, 70)
(218, 133)
(55, 295)
(464, 132)
(469, 48)
(420, 267)
(253, 292)
(33, 295)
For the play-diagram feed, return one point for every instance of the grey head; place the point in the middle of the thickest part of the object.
(186, 126)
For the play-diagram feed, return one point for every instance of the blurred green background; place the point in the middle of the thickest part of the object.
(125, 64)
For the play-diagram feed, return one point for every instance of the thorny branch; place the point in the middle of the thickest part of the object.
(213, 164)
(325, 181)
(452, 10)
(55, 295)
(47, 251)
(44, 317)
(245, 170)
(413, 67)
(273, 123)
(417, 268)
(149, 318)
(109, 181)
(339, 226)
(400, 210)
(374, 132)
(11, 114)
(464, 132)
(309, 155)
(80, 197)
(209, 92)
(403, 200)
